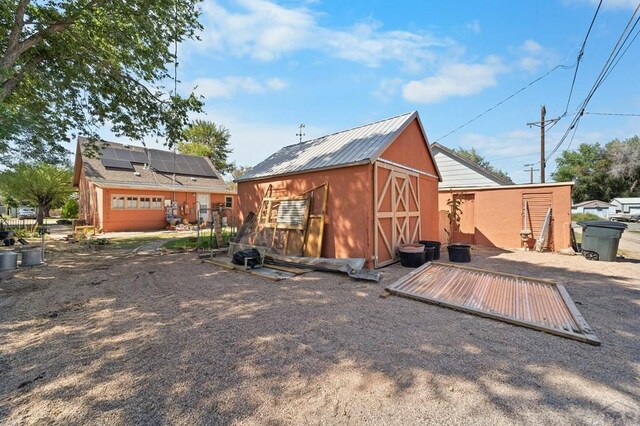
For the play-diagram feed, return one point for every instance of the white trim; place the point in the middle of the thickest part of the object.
(494, 188)
(110, 185)
(407, 168)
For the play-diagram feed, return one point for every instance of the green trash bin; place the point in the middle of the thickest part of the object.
(600, 239)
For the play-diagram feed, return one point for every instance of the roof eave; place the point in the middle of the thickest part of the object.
(298, 172)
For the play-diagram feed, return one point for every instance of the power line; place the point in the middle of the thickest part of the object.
(504, 100)
(613, 113)
(604, 73)
(580, 54)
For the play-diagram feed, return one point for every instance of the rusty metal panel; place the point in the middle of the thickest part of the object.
(530, 302)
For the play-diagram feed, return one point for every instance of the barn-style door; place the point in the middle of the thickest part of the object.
(397, 211)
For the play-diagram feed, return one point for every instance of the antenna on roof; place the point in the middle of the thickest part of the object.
(301, 134)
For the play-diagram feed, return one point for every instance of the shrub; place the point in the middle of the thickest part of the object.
(581, 217)
(70, 209)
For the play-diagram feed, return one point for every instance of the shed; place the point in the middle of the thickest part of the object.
(382, 186)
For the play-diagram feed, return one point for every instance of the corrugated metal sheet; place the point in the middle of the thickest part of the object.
(530, 302)
(292, 211)
(342, 148)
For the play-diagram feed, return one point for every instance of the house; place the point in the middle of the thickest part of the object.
(627, 205)
(458, 172)
(493, 210)
(597, 207)
(131, 188)
(382, 186)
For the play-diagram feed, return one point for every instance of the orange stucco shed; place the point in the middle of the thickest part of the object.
(382, 186)
(495, 216)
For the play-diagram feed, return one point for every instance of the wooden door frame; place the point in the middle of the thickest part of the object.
(378, 196)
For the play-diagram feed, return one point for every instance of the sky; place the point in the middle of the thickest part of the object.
(264, 67)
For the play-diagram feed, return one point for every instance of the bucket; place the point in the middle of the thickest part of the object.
(435, 245)
(31, 257)
(8, 261)
(459, 253)
(429, 253)
(411, 255)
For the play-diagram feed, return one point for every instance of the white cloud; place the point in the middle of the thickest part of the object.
(266, 31)
(532, 56)
(474, 26)
(387, 88)
(228, 86)
(457, 79)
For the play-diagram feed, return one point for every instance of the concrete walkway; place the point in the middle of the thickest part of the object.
(152, 247)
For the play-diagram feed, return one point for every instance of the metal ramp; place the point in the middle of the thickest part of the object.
(529, 302)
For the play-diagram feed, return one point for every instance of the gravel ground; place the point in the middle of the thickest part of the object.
(112, 338)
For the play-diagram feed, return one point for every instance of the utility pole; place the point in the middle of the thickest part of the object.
(531, 170)
(543, 113)
(541, 124)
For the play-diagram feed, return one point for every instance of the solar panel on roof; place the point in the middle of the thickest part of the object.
(116, 164)
(108, 153)
(139, 157)
(123, 154)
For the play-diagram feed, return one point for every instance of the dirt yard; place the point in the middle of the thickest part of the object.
(111, 338)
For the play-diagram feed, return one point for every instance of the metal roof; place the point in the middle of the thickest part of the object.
(593, 203)
(348, 147)
(623, 200)
(529, 302)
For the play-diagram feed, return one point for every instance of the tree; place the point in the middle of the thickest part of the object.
(44, 185)
(70, 65)
(236, 172)
(473, 156)
(208, 139)
(624, 160)
(588, 167)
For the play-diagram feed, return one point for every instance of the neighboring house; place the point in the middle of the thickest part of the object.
(627, 205)
(130, 188)
(597, 207)
(382, 186)
(458, 172)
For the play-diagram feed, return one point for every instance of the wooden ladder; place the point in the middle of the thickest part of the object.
(544, 232)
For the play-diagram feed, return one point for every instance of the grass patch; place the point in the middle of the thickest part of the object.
(581, 217)
(189, 243)
(138, 240)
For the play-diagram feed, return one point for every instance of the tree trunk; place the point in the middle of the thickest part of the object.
(47, 211)
(40, 215)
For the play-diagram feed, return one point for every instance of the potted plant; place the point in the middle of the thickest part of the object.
(457, 252)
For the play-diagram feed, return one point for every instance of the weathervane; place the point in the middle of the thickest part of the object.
(301, 134)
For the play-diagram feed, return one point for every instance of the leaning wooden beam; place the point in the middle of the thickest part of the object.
(320, 263)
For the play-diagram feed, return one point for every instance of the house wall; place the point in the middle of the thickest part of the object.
(498, 214)
(410, 149)
(349, 214)
(457, 175)
(603, 212)
(94, 207)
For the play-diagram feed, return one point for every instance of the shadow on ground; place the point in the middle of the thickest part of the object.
(110, 338)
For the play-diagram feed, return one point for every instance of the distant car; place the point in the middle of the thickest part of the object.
(623, 217)
(26, 213)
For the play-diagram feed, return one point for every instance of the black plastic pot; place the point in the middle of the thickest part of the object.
(435, 245)
(460, 253)
(429, 253)
(410, 257)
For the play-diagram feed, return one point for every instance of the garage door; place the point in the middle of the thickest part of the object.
(397, 214)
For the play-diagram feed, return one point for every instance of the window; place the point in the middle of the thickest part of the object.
(228, 201)
(145, 202)
(156, 202)
(132, 202)
(117, 202)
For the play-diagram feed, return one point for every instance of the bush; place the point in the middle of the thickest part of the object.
(581, 217)
(70, 209)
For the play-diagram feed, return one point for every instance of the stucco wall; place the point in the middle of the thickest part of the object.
(349, 219)
(114, 220)
(498, 214)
